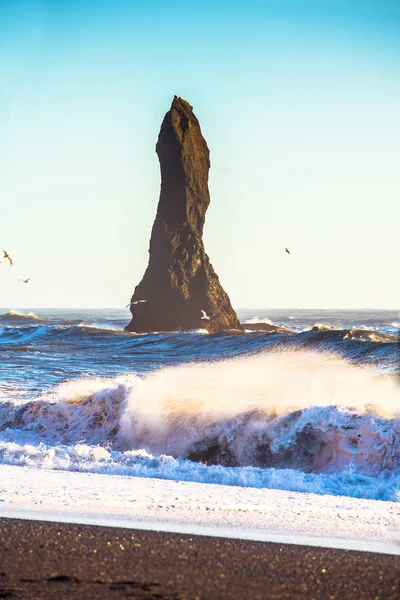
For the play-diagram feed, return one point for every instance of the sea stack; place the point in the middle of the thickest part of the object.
(180, 289)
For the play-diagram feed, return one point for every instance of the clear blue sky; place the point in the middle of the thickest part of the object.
(299, 102)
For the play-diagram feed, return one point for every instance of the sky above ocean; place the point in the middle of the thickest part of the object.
(299, 104)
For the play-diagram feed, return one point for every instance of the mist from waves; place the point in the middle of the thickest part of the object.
(305, 401)
(244, 419)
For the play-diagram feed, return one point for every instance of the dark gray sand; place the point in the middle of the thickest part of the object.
(59, 560)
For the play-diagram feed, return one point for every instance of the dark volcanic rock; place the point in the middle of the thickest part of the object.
(180, 289)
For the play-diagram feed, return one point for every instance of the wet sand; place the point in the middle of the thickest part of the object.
(59, 560)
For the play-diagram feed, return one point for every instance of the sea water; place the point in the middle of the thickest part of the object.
(313, 405)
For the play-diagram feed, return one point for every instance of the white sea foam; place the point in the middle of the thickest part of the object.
(101, 325)
(304, 410)
(83, 409)
(256, 320)
(149, 503)
(139, 463)
(261, 407)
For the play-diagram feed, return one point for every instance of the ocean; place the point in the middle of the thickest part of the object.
(305, 400)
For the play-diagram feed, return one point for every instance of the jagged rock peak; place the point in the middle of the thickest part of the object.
(185, 161)
(180, 289)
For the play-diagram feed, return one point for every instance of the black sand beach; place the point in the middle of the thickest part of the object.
(58, 560)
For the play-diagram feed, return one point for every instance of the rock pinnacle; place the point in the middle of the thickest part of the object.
(180, 289)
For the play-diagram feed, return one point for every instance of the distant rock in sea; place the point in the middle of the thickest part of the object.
(180, 289)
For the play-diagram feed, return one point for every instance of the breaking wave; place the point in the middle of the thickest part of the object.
(256, 320)
(139, 463)
(306, 400)
(307, 411)
(13, 316)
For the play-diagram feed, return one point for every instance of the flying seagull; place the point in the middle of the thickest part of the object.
(286, 250)
(25, 280)
(6, 255)
(134, 302)
(204, 315)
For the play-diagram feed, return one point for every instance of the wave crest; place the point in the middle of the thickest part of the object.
(17, 317)
(294, 409)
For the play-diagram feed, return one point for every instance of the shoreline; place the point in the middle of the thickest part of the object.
(388, 547)
(52, 560)
(265, 515)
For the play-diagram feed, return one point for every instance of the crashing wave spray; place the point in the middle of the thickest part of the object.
(294, 409)
(291, 409)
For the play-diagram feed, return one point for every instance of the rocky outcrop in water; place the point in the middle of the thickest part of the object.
(180, 289)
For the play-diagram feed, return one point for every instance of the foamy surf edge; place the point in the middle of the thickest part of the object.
(297, 420)
(201, 509)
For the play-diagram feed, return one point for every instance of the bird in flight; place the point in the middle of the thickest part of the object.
(204, 315)
(134, 302)
(25, 280)
(6, 255)
(286, 250)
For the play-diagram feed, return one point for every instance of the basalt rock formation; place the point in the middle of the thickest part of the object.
(180, 289)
